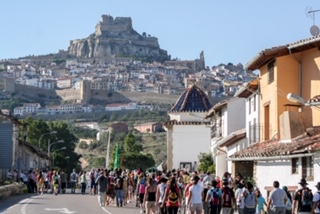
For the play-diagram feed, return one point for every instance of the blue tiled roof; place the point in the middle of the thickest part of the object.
(192, 100)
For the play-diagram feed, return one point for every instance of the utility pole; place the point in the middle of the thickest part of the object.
(108, 149)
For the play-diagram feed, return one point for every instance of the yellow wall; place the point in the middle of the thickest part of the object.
(311, 80)
(286, 80)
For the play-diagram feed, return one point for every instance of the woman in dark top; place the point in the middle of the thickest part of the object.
(150, 197)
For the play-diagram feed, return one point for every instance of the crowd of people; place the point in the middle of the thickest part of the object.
(169, 192)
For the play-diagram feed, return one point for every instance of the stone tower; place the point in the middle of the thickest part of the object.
(85, 91)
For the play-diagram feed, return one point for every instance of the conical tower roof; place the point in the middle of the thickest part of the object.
(192, 100)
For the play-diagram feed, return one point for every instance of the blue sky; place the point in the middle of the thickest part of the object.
(227, 31)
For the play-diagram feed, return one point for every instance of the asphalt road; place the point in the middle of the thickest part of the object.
(62, 203)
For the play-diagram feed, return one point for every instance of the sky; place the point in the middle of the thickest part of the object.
(227, 31)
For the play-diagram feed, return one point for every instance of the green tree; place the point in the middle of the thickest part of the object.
(130, 144)
(38, 133)
(206, 163)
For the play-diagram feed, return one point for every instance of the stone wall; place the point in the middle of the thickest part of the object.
(11, 190)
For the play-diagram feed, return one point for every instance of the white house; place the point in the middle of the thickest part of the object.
(228, 126)
(285, 162)
(27, 108)
(120, 106)
(188, 134)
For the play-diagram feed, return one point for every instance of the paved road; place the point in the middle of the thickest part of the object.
(63, 203)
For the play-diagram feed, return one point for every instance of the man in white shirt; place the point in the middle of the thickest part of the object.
(316, 200)
(239, 198)
(278, 199)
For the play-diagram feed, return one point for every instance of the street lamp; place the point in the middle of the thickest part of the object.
(297, 99)
(62, 148)
(52, 132)
(50, 144)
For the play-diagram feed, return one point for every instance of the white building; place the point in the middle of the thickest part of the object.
(228, 126)
(27, 108)
(188, 133)
(121, 106)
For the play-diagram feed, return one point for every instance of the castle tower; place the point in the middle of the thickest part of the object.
(85, 91)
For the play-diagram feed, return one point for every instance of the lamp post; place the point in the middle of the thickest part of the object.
(52, 132)
(62, 148)
(297, 99)
(49, 147)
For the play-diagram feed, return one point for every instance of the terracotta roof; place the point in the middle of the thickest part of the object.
(248, 89)
(310, 141)
(175, 122)
(192, 100)
(269, 54)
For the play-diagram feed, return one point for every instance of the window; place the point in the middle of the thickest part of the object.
(250, 102)
(254, 103)
(294, 165)
(271, 71)
(307, 167)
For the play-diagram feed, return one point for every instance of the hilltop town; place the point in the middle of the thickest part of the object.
(101, 72)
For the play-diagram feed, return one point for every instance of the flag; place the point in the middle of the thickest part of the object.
(116, 158)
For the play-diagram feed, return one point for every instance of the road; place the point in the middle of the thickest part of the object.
(62, 203)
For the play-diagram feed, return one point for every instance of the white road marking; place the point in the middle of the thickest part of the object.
(104, 209)
(24, 206)
(60, 210)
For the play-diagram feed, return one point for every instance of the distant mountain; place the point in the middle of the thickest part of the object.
(117, 37)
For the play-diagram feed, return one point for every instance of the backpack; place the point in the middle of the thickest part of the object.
(249, 200)
(226, 197)
(142, 187)
(118, 182)
(215, 197)
(306, 197)
(73, 176)
(173, 197)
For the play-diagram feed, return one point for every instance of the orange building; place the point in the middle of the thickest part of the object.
(292, 68)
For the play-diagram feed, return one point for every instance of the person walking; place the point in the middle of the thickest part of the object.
(316, 200)
(302, 200)
(125, 187)
(119, 189)
(238, 196)
(161, 188)
(40, 183)
(172, 197)
(141, 189)
(63, 180)
(196, 194)
(102, 182)
(277, 200)
(150, 196)
(289, 200)
(227, 200)
(207, 181)
(249, 198)
(261, 202)
(83, 182)
(55, 182)
(73, 180)
(213, 198)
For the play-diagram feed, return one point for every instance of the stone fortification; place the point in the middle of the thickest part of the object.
(117, 37)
